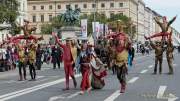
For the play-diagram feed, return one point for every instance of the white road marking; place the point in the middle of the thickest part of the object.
(73, 95)
(117, 93)
(143, 71)
(151, 66)
(161, 91)
(133, 79)
(113, 96)
(31, 89)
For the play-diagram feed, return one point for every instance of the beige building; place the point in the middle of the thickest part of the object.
(42, 11)
(141, 25)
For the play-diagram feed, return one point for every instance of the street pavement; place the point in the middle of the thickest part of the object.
(142, 85)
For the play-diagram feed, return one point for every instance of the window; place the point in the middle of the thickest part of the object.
(50, 6)
(112, 5)
(120, 4)
(76, 6)
(85, 5)
(93, 5)
(102, 14)
(34, 7)
(111, 15)
(59, 6)
(42, 18)
(50, 17)
(102, 5)
(120, 13)
(67, 6)
(42, 7)
(34, 18)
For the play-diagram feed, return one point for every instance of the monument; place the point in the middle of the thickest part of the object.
(70, 19)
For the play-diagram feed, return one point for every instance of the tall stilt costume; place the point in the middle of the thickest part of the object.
(27, 31)
(32, 61)
(169, 54)
(21, 63)
(158, 55)
(159, 48)
(164, 27)
(68, 60)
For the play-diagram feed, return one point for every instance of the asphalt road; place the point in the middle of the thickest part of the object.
(142, 85)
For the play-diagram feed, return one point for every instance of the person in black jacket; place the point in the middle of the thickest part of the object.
(56, 54)
(39, 53)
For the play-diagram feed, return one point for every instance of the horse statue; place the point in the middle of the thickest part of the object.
(70, 17)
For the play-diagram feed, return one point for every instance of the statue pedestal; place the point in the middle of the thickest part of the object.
(70, 31)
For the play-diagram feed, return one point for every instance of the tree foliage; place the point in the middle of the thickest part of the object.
(126, 22)
(9, 13)
(46, 28)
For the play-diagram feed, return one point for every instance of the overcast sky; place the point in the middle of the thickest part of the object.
(169, 8)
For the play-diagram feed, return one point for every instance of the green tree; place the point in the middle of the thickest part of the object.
(9, 13)
(46, 28)
(126, 22)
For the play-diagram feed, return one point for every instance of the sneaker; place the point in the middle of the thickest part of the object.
(81, 93)
(89, 90)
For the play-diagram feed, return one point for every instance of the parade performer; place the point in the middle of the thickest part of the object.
(122, 46)
(27, 33)
(85, 58)
(21, 63)
(158, 55)
(164, 27)
(68, 60)
(32, 61)
(169, 54)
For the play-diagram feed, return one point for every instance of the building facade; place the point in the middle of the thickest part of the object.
(22, 11)
(42, 11)
(141, 19)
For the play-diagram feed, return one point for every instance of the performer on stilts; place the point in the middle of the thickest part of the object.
(169, 54)
(68, 60)
(164, 27)
(21, 63)
(27, 33)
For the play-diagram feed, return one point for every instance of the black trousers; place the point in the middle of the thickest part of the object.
(38, 63)
(22, 66)
(32, 71)
(56, 61)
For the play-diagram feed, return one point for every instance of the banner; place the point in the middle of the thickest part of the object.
(106, 29)
(84, 28)
(101, 29)
(95, 27)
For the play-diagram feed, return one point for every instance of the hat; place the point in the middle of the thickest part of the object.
(26, 21)
(68, 39)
